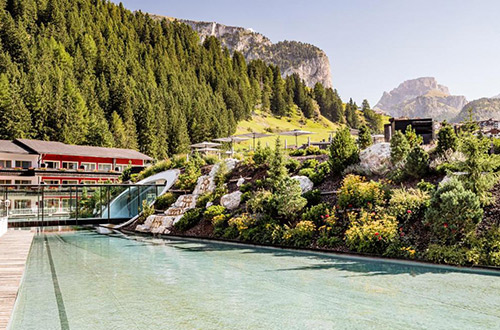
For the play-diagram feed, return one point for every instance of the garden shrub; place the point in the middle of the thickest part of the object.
(187, 180)
(315, 175)
(202, 200)
(408, 204)
(412, 137)
(146, 211)
(417, 162)
(164, 201)
(313, 150)
(310, 163)
(242, 223)
(246, 187)
(400, 148)
(158, 167)
(364, 137)
(447, 139)
(426, 186)
(301, 235)
(211, 159)
(356, 192)
(262, 156)
(454, 255)
(371, 232)
(213, 211)
(288, 198)
(453, 212)
(313, 197)
(298, 152)
(262, 202)
(292, 165)
(190, 219)
(343, 151)
(318, 213)
(245, 197)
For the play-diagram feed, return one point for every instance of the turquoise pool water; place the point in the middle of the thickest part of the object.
(84, 280)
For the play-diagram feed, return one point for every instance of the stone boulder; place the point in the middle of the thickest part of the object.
(376, 158)
(305, 183)
(231, 201)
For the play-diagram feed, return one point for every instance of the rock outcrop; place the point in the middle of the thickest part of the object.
(231, 201)
(308, 61)
(376, 158)
(305, 183)
(419, 98)
(482, 109)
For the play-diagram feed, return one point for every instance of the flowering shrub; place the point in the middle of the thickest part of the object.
(356, 192)
(288, 198)
(213, 211)
(301, 235)
(261, 202)
(318, 214)
(408, 204)
(242, 223)
(330, 233)
(371, 232)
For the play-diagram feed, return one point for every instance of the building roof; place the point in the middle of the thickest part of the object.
(59, 148)
(10, 147)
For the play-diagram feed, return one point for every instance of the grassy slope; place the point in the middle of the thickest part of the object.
(267, 123)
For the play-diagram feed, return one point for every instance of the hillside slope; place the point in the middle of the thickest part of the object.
(482, 109)
(308, 61)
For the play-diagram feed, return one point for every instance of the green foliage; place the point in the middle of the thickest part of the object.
(164, 201)
(288, 198)
(310, 150)
(301, 235)
(213, 211)
(453, 212)
(412, 137)
(478, 166)
(318, 213)
(261, 202)
(310, 163)
(313, 197)
(315, 175)
(447, 254)
(93, 72)
(190, 219)
(343, 151)
(426, 186)
(371, 232)
(351, 114)
(261, 155)
(158, 167)
(365, 137)
(417, 162)
(374, 120)
(292, 165)
(447, 139)
(202, 200)
(146, 211)
(400, 148)
(277, 166)
(356, 192)
(187, 180)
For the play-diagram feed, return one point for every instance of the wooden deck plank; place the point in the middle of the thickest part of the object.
(14, 249)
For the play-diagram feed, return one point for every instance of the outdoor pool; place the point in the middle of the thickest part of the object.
(85, 280)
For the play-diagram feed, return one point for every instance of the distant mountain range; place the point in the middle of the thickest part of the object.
(308, 61)
(424, 97)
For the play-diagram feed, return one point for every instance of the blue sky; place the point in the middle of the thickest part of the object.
(373, 45)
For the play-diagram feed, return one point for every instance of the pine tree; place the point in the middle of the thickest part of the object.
(16, 121)
(365, 137)
(343, 151)
(400, 148)
(118, 131)
(447, 139)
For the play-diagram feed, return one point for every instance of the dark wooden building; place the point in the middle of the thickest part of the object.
(422, 126)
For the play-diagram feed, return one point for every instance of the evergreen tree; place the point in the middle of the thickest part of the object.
(447, 139)
(277, 166)
(400, 148)
(343, 151)
(365, 137)
(16, 121)
(417, 162)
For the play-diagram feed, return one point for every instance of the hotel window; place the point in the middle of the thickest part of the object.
(51, 164)
(51, 181)
(23, 164)
(6, 163)
(67, 203)
(22, 182)
(70, 181)
(121, 168)
(5, 181)
(22, 204)
(51, 203)
(88, 182)
(105, 167)
(70, 165)
(88, 166)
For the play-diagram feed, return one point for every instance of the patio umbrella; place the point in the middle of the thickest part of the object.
(296, 133)
(255, 135)
(208, 149)
(231, 140)
(205, 144)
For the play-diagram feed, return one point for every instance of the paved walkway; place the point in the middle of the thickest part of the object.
(14, 249)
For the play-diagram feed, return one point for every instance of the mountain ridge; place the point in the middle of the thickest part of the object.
(308, 61)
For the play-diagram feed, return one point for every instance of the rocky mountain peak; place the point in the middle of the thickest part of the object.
(421, 97)
(308, 61)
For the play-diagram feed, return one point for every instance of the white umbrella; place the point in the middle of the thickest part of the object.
(231, 139)
(205, 144)
(255, 135)
(296, 133)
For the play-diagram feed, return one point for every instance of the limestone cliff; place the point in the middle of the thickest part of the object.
(421, 97)
(482, 109)
(308, 61)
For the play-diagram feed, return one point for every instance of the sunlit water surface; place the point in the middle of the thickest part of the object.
(84, 280)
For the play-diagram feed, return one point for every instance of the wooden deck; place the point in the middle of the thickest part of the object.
(14, 249)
